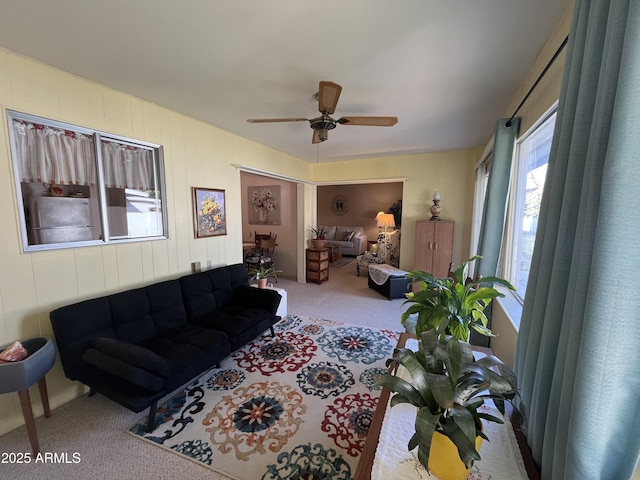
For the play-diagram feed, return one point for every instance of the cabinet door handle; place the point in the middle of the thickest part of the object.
(436, 245)
(430, 245)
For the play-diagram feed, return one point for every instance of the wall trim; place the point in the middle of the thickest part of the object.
(267, 173)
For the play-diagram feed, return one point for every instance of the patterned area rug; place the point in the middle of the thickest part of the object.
(296, 406)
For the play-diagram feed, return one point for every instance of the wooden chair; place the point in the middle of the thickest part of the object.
(265, 246)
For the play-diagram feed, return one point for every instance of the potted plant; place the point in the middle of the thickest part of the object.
(448, 387)
(452, 305)
(262, 273)
(319, 234)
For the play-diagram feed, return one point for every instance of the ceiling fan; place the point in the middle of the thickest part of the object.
(328, 95)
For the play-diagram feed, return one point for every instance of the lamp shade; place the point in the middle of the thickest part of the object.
(378, 215)
(386, 220)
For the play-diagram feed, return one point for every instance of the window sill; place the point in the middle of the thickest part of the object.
(511, 305)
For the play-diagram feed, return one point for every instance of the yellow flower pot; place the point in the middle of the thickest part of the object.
(444, 461)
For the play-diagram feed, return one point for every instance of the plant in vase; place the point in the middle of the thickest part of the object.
(449, 387)
(319, 234)
(453, 305)
(262, 273)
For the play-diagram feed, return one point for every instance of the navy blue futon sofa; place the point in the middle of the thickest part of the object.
(136, 346)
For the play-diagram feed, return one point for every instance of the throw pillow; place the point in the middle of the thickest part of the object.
(348, 236)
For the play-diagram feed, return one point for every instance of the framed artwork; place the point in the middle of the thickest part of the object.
(264, 205)
(340, 205)
(209, 212)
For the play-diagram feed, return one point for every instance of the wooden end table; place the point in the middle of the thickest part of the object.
(335, 252)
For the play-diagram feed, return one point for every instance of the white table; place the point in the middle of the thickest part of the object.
(282, 308)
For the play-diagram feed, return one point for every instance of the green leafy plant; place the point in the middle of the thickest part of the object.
(452, 305)
(448, 387)
(264, 271)
(319, 232)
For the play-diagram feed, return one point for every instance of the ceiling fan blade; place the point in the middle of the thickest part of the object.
(316, 137)
(369, 121)
(328, 96)
(272, 120)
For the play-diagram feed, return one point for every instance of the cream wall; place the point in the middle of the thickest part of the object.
(449, 172)
(195, 154)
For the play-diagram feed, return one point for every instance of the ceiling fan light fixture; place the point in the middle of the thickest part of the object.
(327, 96)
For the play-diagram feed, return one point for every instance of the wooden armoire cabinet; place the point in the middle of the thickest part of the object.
(434, 246)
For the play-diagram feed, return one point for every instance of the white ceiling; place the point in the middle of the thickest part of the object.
(446, 68)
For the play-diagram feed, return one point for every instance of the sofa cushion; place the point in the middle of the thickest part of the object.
(177, 355)
(348, 236)
(239, 323)
(166, 308)
(341, 230)
(204, 339)
(207, 291)
(119, 365)
(123, 371)
(130, 315)
(262, 298)
(330, 232)
(134, 355)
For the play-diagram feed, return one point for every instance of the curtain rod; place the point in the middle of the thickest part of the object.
(533, 87)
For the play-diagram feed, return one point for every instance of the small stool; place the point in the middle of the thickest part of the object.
(19, 376)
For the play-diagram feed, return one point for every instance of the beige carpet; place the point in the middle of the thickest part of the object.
(95, 428)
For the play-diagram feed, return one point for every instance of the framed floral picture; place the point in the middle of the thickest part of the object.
(209, 212)
(264, 205)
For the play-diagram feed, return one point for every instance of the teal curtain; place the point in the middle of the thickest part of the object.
(495, 204)
(495, 201)
(578, 350)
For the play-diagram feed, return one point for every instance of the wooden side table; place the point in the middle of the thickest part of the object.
(318, 264)
(335, 252)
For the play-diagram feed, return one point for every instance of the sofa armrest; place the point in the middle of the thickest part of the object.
(263, 298)
(360, 244)
(126, 361)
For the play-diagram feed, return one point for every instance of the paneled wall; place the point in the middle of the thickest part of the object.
(196, 154)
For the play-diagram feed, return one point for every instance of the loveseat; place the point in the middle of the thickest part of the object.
(136, 346)
(352, 240)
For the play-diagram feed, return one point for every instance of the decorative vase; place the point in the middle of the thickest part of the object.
(262, 283)
(435, 211)
(318, 243)
(263, 215)
(444, 460)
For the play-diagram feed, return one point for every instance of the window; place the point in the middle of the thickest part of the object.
(480, 191)
(80, 187)
(532, 157)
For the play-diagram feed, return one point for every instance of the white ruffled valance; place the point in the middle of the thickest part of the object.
(57, 156)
